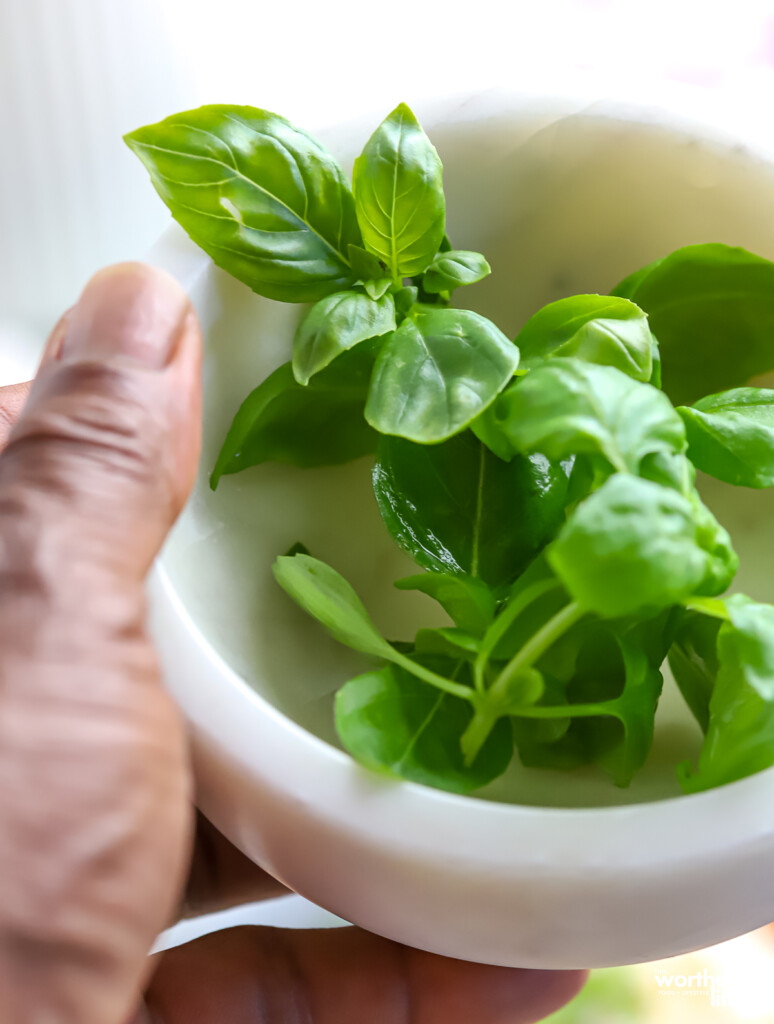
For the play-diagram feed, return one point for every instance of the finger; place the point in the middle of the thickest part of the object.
(341, 976)
(94, 786)
(221, 876)
(12, 399)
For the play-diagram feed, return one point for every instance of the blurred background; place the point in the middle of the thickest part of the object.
(76, 74)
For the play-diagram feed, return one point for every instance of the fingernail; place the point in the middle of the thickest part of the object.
(129, 310)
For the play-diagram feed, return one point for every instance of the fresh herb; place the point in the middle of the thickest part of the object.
(545, 486)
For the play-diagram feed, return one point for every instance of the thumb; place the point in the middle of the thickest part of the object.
(111, 426)
(94, 815)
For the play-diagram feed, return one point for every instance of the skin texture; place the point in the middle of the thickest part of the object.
(97, 831)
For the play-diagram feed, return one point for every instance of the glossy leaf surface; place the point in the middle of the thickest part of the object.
(263, 198)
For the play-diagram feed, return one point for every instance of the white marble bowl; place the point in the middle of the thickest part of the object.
(545, 869)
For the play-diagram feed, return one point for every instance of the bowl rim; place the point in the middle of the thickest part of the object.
(328, 781)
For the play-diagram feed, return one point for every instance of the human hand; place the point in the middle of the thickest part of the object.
(96, 825)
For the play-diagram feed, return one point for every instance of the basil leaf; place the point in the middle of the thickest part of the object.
(631, 548)
(448, 642)
(265, 201)
(450, 270)
(437, 372)
(392, 723)
(399, 197)
(376, 289)
(319, 425)
(326, 595)
(468, 601)
(566, 407)
(694, 663)
(722, 560)
(712, 309)
(404, 299)
(599, 329)
(365, 266)
(633, 719)
(740, 732)
(335, 324)
(731, 436)
(446, 506)
(612, 662)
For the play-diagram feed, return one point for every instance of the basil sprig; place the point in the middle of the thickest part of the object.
(544, 487)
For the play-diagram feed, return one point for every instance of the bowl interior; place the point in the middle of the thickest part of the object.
(560, 202)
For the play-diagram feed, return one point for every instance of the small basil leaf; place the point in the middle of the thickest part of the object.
(365, 266)
(712, 309)
(566, 406)
(438, 371)
(335, 324)
(265, 201)
(740, 733)
(669, 469)
(448, 642)
(616, 662)
(622, 755)
(631, 548)
(399, 197)
(599, 329)
(694, 663)
(392, 723)
(319, 425)
(450, 270)
(376, 289)
(731, 436)
(722, 560)
(327, 597)
(445, 505)
(468, 601)
(404, 299)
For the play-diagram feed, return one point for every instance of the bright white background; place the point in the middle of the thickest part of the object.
(76, 74)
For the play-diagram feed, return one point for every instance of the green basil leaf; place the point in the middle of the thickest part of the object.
(599, 329)
(712, 538)
(335, 324)
(318, 425)
(395, 724)
(621, 750)
(446, 504)
(438, 371)
(614, 662)
(447, 641)
(670, 469)
(365, 266)
(404, 300)
(327, 597)
(399, 197)
(265, 201)
(731, 436)
(566, 406)
(712, 309)
(376, 289)
(450, 270)
(468, 601)
(740, 732)
(694, 662)
(631, 548)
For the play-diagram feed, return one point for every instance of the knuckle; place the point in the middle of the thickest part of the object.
(89, 417)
